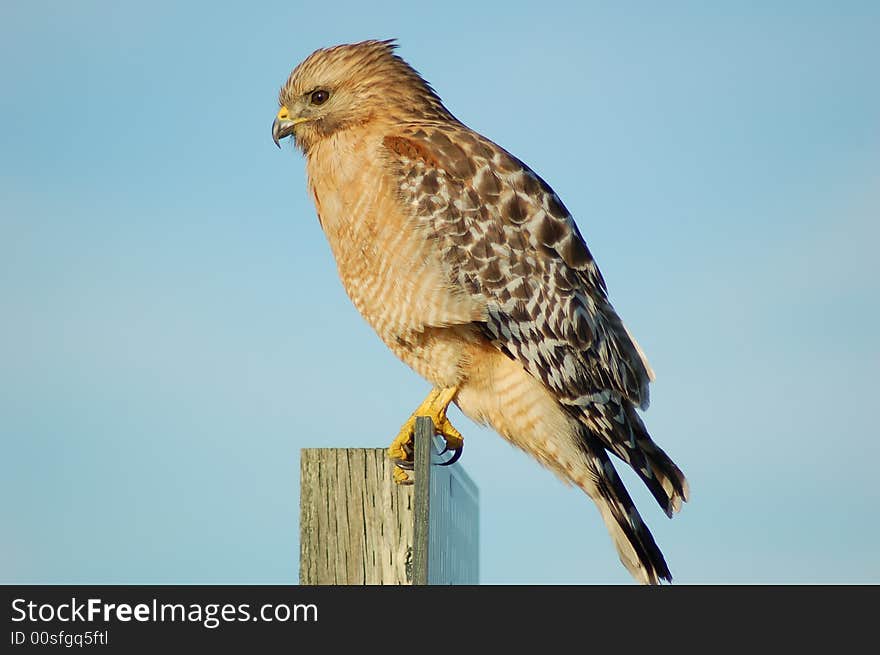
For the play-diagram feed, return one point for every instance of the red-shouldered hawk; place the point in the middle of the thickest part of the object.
(473, 272)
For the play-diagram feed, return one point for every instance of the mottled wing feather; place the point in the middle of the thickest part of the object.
(507, 239)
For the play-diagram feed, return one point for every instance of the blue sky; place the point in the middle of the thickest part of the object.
(172, 330)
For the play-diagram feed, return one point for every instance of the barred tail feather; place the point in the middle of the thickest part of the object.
(635, 544)
(663, 469)
(619, 428)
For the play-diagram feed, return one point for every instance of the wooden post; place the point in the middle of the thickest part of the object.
(358, 527)
(424, 434)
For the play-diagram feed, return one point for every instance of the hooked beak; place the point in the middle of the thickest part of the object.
(283, 125)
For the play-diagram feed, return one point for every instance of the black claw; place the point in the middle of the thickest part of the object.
(403, 464)
(456, 453)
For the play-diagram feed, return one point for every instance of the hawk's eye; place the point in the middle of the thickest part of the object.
(319, 97)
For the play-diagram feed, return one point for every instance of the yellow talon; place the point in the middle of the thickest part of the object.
(435, 406)
(453, 437)
(401, 476)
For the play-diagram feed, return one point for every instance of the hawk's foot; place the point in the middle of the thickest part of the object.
(402, 448)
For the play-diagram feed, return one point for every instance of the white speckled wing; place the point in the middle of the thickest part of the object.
(506, 238)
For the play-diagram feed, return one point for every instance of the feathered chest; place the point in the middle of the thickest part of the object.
(387, 263)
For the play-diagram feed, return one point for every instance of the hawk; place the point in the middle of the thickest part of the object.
(472, 271)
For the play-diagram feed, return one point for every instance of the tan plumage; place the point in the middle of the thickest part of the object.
(471, 270)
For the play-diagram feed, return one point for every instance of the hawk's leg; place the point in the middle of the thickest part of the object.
(435, 405)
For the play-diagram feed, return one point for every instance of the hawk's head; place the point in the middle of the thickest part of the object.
(349, 85)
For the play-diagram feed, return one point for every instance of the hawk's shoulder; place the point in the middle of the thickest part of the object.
(505, 236)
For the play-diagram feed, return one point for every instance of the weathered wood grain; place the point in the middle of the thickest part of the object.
(424, 434)
(356, 525)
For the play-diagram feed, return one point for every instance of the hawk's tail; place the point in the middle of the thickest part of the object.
(635, 544)
(620, 429)
(668, 476)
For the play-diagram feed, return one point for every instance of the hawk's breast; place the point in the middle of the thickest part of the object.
(388, 265)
